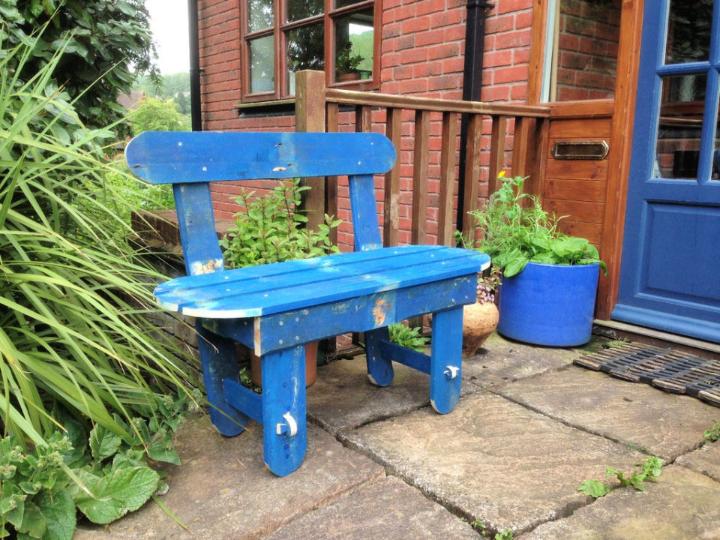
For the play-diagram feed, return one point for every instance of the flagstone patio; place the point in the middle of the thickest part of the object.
(529, 429)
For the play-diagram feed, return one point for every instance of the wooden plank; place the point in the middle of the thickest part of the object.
(497, 151)
(366, 230)
(243, 399)
(363, 119)
(376, 99)
(591, 128)
(541, 155)
(580, 169)
(472, 171)
(590, 108)
(591, 231)
(521, 145)
(364, 313)
(420, 173)
(310, 117)
(379, 366)
(446, 360)
(408, 357)
(324, 284)
(391, 211)
(284, 410)
(588, 212)
(166, 157)
(331, 186)
(574, 190)
(218, 359)
(446, 224)
(538, 45)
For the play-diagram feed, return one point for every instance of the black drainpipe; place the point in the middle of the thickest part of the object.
(195, 104)
(472, 81)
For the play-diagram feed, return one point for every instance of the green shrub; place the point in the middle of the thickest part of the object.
(406, 336)
(153, 114)
(269, 229)
(516, 230)
(74, 332)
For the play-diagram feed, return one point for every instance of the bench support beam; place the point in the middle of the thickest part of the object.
(243, 399)
(405, 356)
(446, 359)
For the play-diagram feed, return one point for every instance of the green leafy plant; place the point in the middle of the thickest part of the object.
(74, 331)
(270, 228)
(98, 474)
(96, 48)
(406, 336)
(346, 61)
(713, 434)
(516, 230)
(153, 114)
(647, 471)
(505, 534)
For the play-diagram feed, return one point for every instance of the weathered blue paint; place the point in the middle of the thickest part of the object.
(283, 409)
(405, 356)
(670, 264)
(446, 359)
(218, 361)
(231, 296)
(364, 213)
(243, 399)
(276, 309)
(169, 157)
(196, 222)
(379, 367)
(361, 314)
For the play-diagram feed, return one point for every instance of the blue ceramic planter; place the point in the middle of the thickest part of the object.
(549, 304)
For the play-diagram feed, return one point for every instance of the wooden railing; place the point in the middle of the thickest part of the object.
(510, 135)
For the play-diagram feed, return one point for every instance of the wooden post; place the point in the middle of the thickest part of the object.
(310, 116)
(391, 222)
(446, 226)
(472, 173)
(420, 169)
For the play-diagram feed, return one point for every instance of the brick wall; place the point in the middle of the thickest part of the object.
(422, 54)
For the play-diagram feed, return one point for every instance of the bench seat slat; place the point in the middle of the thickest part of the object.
(319, 270)
(245, 299)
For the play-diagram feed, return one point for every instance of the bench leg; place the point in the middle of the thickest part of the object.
(446, 359)
(380, 369)
(219, 361)
(283, 399)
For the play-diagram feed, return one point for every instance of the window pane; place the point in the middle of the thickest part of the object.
(585, 62)
(301, 9)
(343, 3)
(262, 65)
(688, 37)
(354, 46)
(260, 14)
(305, 50)
(681, 116)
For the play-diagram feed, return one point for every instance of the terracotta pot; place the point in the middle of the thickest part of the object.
(348, 76)
(311, 350)
(479, 321)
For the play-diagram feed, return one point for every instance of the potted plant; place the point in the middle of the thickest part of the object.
(549, 279)
(269, 229)
(481, 318)
(347, 64)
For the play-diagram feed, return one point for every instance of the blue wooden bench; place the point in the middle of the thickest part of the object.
(276, 308)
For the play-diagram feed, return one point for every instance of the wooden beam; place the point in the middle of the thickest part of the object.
(472, 172)
(331, 185)
(446, 225)
(391, 210)
(310, 116)
(420, 172)
(497, 151)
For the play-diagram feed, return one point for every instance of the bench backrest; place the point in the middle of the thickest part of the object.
(190, 160)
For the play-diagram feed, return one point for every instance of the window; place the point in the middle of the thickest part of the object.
(281, 37)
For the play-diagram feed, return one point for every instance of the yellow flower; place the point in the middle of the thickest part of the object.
(501, 174)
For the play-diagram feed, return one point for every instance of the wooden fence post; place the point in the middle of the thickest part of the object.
(310, 116)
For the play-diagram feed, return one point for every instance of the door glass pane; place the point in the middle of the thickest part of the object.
(354, 46)
(688, 37)
(584, 61)
(262, 65)
(305, 50)
(680, 123)
(260, 14)
(301, 9)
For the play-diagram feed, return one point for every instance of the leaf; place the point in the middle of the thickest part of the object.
(594, 488)
(58, 509)
(121, 491)
(34, 522)
(103, 443)
(515, 266)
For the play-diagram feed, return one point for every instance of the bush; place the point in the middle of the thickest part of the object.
(153, 114)
(74, 333)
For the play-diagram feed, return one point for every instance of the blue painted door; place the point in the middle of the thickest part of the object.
(670, 275)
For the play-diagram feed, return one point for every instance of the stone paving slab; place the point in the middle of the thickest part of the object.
(500, 361)
(682, 505)
(343, 397)
(492, 459)
(382, 510)
(223, 490)
(705, 460)
(663, 424)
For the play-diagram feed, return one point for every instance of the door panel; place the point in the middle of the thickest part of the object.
(671, 251)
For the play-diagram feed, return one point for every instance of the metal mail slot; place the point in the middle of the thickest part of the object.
(589, 150)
